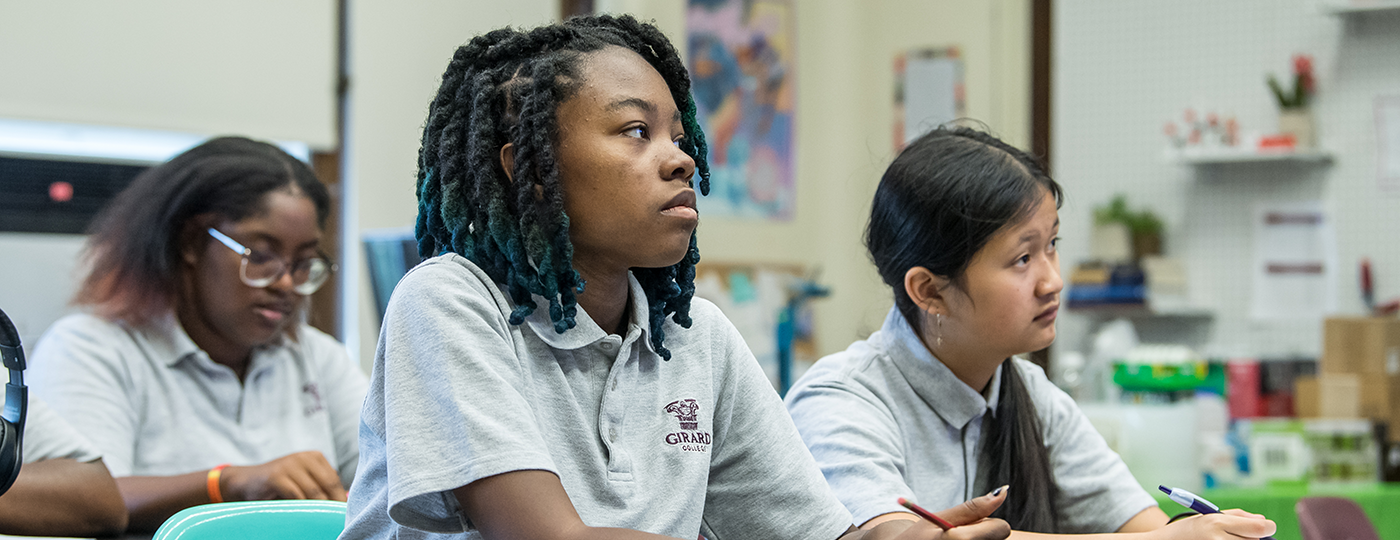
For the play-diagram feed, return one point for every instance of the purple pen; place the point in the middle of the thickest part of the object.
(1194, 502)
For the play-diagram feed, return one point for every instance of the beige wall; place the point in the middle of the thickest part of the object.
(844, 111)
(262, 68)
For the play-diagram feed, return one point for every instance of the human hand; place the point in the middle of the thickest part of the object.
(1227, 525)
(969, 519)
(303, 475)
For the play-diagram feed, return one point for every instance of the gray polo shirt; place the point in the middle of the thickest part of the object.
(885, 419)
(48, 436)
(697, 443)
(157, 405)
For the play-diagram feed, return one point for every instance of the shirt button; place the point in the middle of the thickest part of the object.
(607, 345)
(612, 434)
(614, 384)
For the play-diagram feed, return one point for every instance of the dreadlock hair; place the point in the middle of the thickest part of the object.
(506, 86)
(133, 254)
(941, 201)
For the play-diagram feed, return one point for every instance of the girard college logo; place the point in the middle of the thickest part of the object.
(689, 438)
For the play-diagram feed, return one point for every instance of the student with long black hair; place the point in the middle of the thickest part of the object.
(934, 407)
(189, 368)
(546, 374)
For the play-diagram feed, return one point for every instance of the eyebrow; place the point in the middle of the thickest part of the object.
(638, 103)
(1031, 235)
(266, 237)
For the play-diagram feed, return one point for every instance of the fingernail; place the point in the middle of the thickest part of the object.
(997, 491)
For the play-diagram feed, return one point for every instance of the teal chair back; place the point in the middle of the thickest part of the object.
(256, 520)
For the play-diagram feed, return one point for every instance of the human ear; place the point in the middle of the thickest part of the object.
(508, 160)
(925, 289)
(190, 238)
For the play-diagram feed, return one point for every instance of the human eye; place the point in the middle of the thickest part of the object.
(1023, 260)
(636, 132)
(1054, 244)
(678, 140)
(261, 257)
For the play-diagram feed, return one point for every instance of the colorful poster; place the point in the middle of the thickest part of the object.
(742, 67)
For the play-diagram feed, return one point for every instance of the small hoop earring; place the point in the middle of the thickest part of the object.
(939, 318)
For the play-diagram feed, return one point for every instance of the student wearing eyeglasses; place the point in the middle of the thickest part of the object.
(190, 367)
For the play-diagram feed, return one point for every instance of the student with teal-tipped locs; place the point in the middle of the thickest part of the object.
(546, 373)
(934, 407)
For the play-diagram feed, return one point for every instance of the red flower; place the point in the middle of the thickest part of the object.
(1302, 65)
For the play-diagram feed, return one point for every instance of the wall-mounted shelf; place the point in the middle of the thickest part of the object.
(1348, 7)
(1226, 156)
(1134, 311)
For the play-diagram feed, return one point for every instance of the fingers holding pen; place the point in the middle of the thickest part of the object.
(972, 510)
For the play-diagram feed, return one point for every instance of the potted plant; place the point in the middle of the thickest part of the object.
(1294, 117)
(1144, 227)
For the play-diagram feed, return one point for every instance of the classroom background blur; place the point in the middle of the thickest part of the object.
(1232, 171)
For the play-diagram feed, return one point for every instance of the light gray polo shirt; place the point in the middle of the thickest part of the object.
(885, 419)
(157, 405)
(697, 443)
(48, 436)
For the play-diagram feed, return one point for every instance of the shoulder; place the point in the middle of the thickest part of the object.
(853, 366)
(86, 324)
(446, 284)
(318, 345)
(448, 269)
(87, 336)
(856, 372)
(706, 319)
(1052, 404)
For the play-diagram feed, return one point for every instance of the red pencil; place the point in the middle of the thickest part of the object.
(943, 524)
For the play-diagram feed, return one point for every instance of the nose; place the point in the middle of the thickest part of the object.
(677, 165)
(283, 284)
(1051, 283)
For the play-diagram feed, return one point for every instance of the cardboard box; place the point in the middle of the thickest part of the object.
(1363, 345)
(1375, 396)
(1328, 395)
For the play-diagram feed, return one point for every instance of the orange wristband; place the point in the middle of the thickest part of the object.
(212, 483)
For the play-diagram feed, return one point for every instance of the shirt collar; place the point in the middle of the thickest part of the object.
(587, 332)
(168, 332)
(950, 398)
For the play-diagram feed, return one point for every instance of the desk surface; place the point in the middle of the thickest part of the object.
(1379, 501)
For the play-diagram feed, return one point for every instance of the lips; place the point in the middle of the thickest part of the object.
(274, 313)
(682, 205)
(1049, 313)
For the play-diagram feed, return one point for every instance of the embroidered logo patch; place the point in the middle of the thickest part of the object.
(690, 438)
(310, 399)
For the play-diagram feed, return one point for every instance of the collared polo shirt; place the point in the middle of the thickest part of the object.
(886, 419)
(155, 404)
(700, 443)
(48, 436)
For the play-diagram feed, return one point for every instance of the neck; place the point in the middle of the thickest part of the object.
(973, 367)
(220, 349)
(604, 298)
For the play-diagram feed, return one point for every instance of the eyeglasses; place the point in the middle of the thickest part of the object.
(260, 269)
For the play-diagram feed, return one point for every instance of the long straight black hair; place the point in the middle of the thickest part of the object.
(937, 205)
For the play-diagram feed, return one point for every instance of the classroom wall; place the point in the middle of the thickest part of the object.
(1123, 69)
(844, 114)
(263, 68)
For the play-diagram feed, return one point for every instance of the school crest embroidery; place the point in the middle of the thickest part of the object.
(690, 438)
(310, 399)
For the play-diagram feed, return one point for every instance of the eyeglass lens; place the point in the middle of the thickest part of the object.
(260, 270)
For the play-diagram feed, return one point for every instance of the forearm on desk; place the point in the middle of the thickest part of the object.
(150, 500)
(63, 497)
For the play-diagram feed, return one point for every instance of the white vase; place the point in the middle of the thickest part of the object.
(1299, 123)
